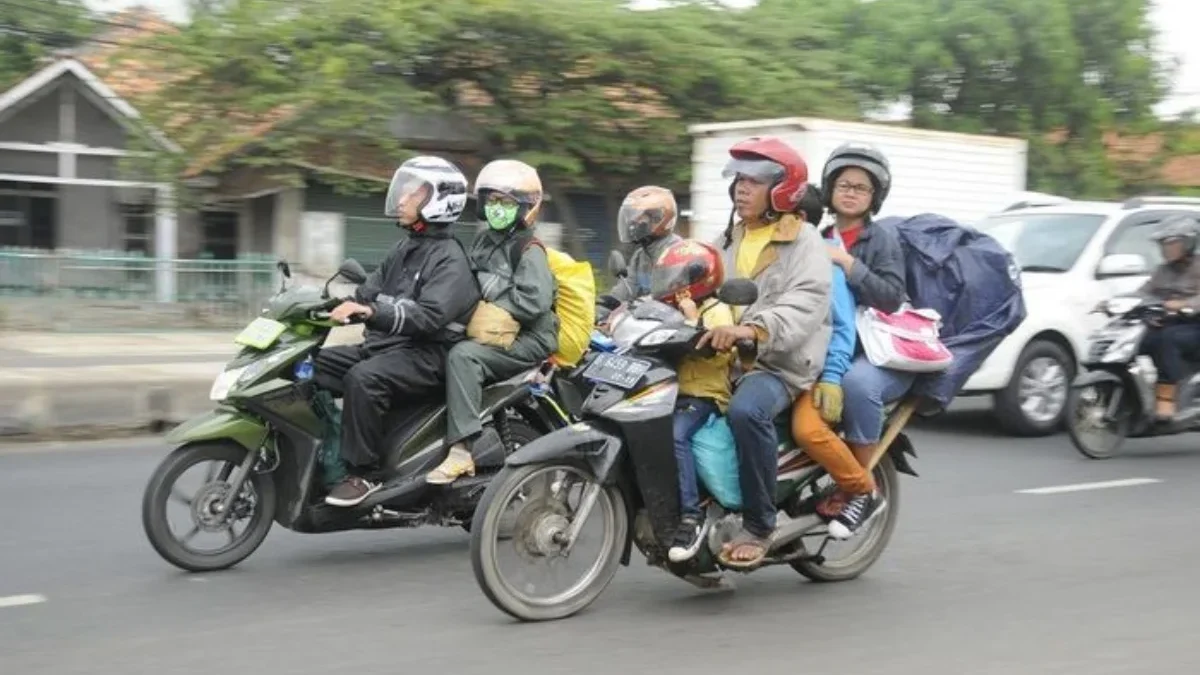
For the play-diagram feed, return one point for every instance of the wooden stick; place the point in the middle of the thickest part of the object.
(904, 411)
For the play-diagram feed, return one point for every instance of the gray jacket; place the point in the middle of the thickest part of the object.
(794, 275)
(878, 277)
(527, 293)
(641, 265)
(1175, 281)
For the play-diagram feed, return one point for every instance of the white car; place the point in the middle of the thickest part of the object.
(1072, 255)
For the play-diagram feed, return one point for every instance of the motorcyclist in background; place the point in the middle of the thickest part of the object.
(1176, 283)
(647, 218)
(416, 305)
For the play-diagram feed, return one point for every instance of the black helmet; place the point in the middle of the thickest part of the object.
(861, 156)
(1179, 227)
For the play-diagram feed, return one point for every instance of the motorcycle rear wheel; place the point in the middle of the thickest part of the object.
(160, 489)
(875, 539)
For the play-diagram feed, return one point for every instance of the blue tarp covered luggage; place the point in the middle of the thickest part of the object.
(972, 281)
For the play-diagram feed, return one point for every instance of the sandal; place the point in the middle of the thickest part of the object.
(742, 542)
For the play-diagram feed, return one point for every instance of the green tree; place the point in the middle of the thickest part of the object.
(1017, 67)
(32, 31)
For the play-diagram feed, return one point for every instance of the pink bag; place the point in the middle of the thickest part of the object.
(907, 340)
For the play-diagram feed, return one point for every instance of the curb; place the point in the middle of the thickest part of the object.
(101, 401)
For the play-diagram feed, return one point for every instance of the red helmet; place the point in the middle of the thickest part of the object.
(769, 160)
(687, 265)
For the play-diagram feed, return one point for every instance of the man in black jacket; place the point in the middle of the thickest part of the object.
(416, 306)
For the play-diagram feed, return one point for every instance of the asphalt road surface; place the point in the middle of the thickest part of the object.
(980, 579)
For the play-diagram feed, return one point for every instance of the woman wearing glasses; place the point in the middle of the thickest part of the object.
(856, 179)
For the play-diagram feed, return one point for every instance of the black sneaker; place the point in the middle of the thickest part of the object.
(858, 511)
(351, 491)
(687, 539)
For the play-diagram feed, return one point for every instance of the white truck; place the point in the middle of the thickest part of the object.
(961, 176)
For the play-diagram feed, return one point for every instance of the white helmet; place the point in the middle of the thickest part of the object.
(447, 193)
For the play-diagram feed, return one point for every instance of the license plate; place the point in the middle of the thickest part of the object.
(261, 333)
(618, 371)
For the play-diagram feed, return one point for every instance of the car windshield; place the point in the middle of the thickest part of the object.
(1043, 242)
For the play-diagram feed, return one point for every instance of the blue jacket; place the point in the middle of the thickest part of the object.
(845, 336)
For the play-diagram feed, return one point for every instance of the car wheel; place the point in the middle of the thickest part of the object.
(1036, 396)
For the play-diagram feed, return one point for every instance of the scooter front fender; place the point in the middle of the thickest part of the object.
(581, 441)
(220, 424)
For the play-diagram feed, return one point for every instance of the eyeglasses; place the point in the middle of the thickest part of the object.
(853, 188)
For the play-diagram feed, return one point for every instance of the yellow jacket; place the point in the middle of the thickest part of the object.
(708, 377)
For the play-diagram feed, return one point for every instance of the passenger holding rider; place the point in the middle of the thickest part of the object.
(1176, 283)
(789, 321)
(688, 275)
(514, 328)
(857, 179)
(415, 306)
(816, 411)
(647, 219)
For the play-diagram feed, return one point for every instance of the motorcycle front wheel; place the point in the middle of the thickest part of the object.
(1093, 431)
(540, 498)
(237, 533)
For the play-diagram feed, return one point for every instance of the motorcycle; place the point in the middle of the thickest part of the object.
(1113, 398)
(619, 461)
(267, 443)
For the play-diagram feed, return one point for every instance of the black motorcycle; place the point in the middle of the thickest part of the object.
(619, 463)
(1113, 398)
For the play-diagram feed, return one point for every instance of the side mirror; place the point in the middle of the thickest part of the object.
(1122, 265)
(738, 292)
(284, 269)
(617, 265)
(351, 270)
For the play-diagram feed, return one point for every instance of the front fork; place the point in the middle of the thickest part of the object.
(267, 453)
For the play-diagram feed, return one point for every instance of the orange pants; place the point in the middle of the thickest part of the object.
(821, 443)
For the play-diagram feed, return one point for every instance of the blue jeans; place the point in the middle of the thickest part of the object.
(690, 414)
(760, 397)
(866, 388)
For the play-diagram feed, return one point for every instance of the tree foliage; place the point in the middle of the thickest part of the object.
(30, 32)
(595, 93)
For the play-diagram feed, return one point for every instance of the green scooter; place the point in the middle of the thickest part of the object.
(271, 444)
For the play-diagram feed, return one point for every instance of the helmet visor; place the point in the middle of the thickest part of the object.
(636, 222)
(406, 188)
(667, 280)
(758, 170)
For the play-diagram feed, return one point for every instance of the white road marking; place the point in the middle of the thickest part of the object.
(1080, 487)
(21, 600)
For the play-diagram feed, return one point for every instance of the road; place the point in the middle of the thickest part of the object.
(979, 579)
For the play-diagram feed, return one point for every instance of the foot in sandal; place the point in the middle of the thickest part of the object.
(746, 551)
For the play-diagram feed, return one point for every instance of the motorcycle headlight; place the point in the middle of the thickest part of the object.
(225, 383)
(1124, 346)
(658, 337)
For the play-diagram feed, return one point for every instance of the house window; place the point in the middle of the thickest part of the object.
(220, 235)
(139, 228)
(28, 217)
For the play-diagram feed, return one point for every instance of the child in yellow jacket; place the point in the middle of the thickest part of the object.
(688, 274)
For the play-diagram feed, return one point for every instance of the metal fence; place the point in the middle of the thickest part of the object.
(94, 287)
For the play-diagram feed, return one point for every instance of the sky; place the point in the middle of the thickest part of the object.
(1176, 21)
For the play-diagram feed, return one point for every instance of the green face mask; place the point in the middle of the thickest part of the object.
(500, 216)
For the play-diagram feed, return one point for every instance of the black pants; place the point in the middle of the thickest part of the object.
(370, 381)
(1167, 346)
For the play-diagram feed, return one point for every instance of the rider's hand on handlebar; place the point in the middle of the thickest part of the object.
(723, 338)
(347, 310)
